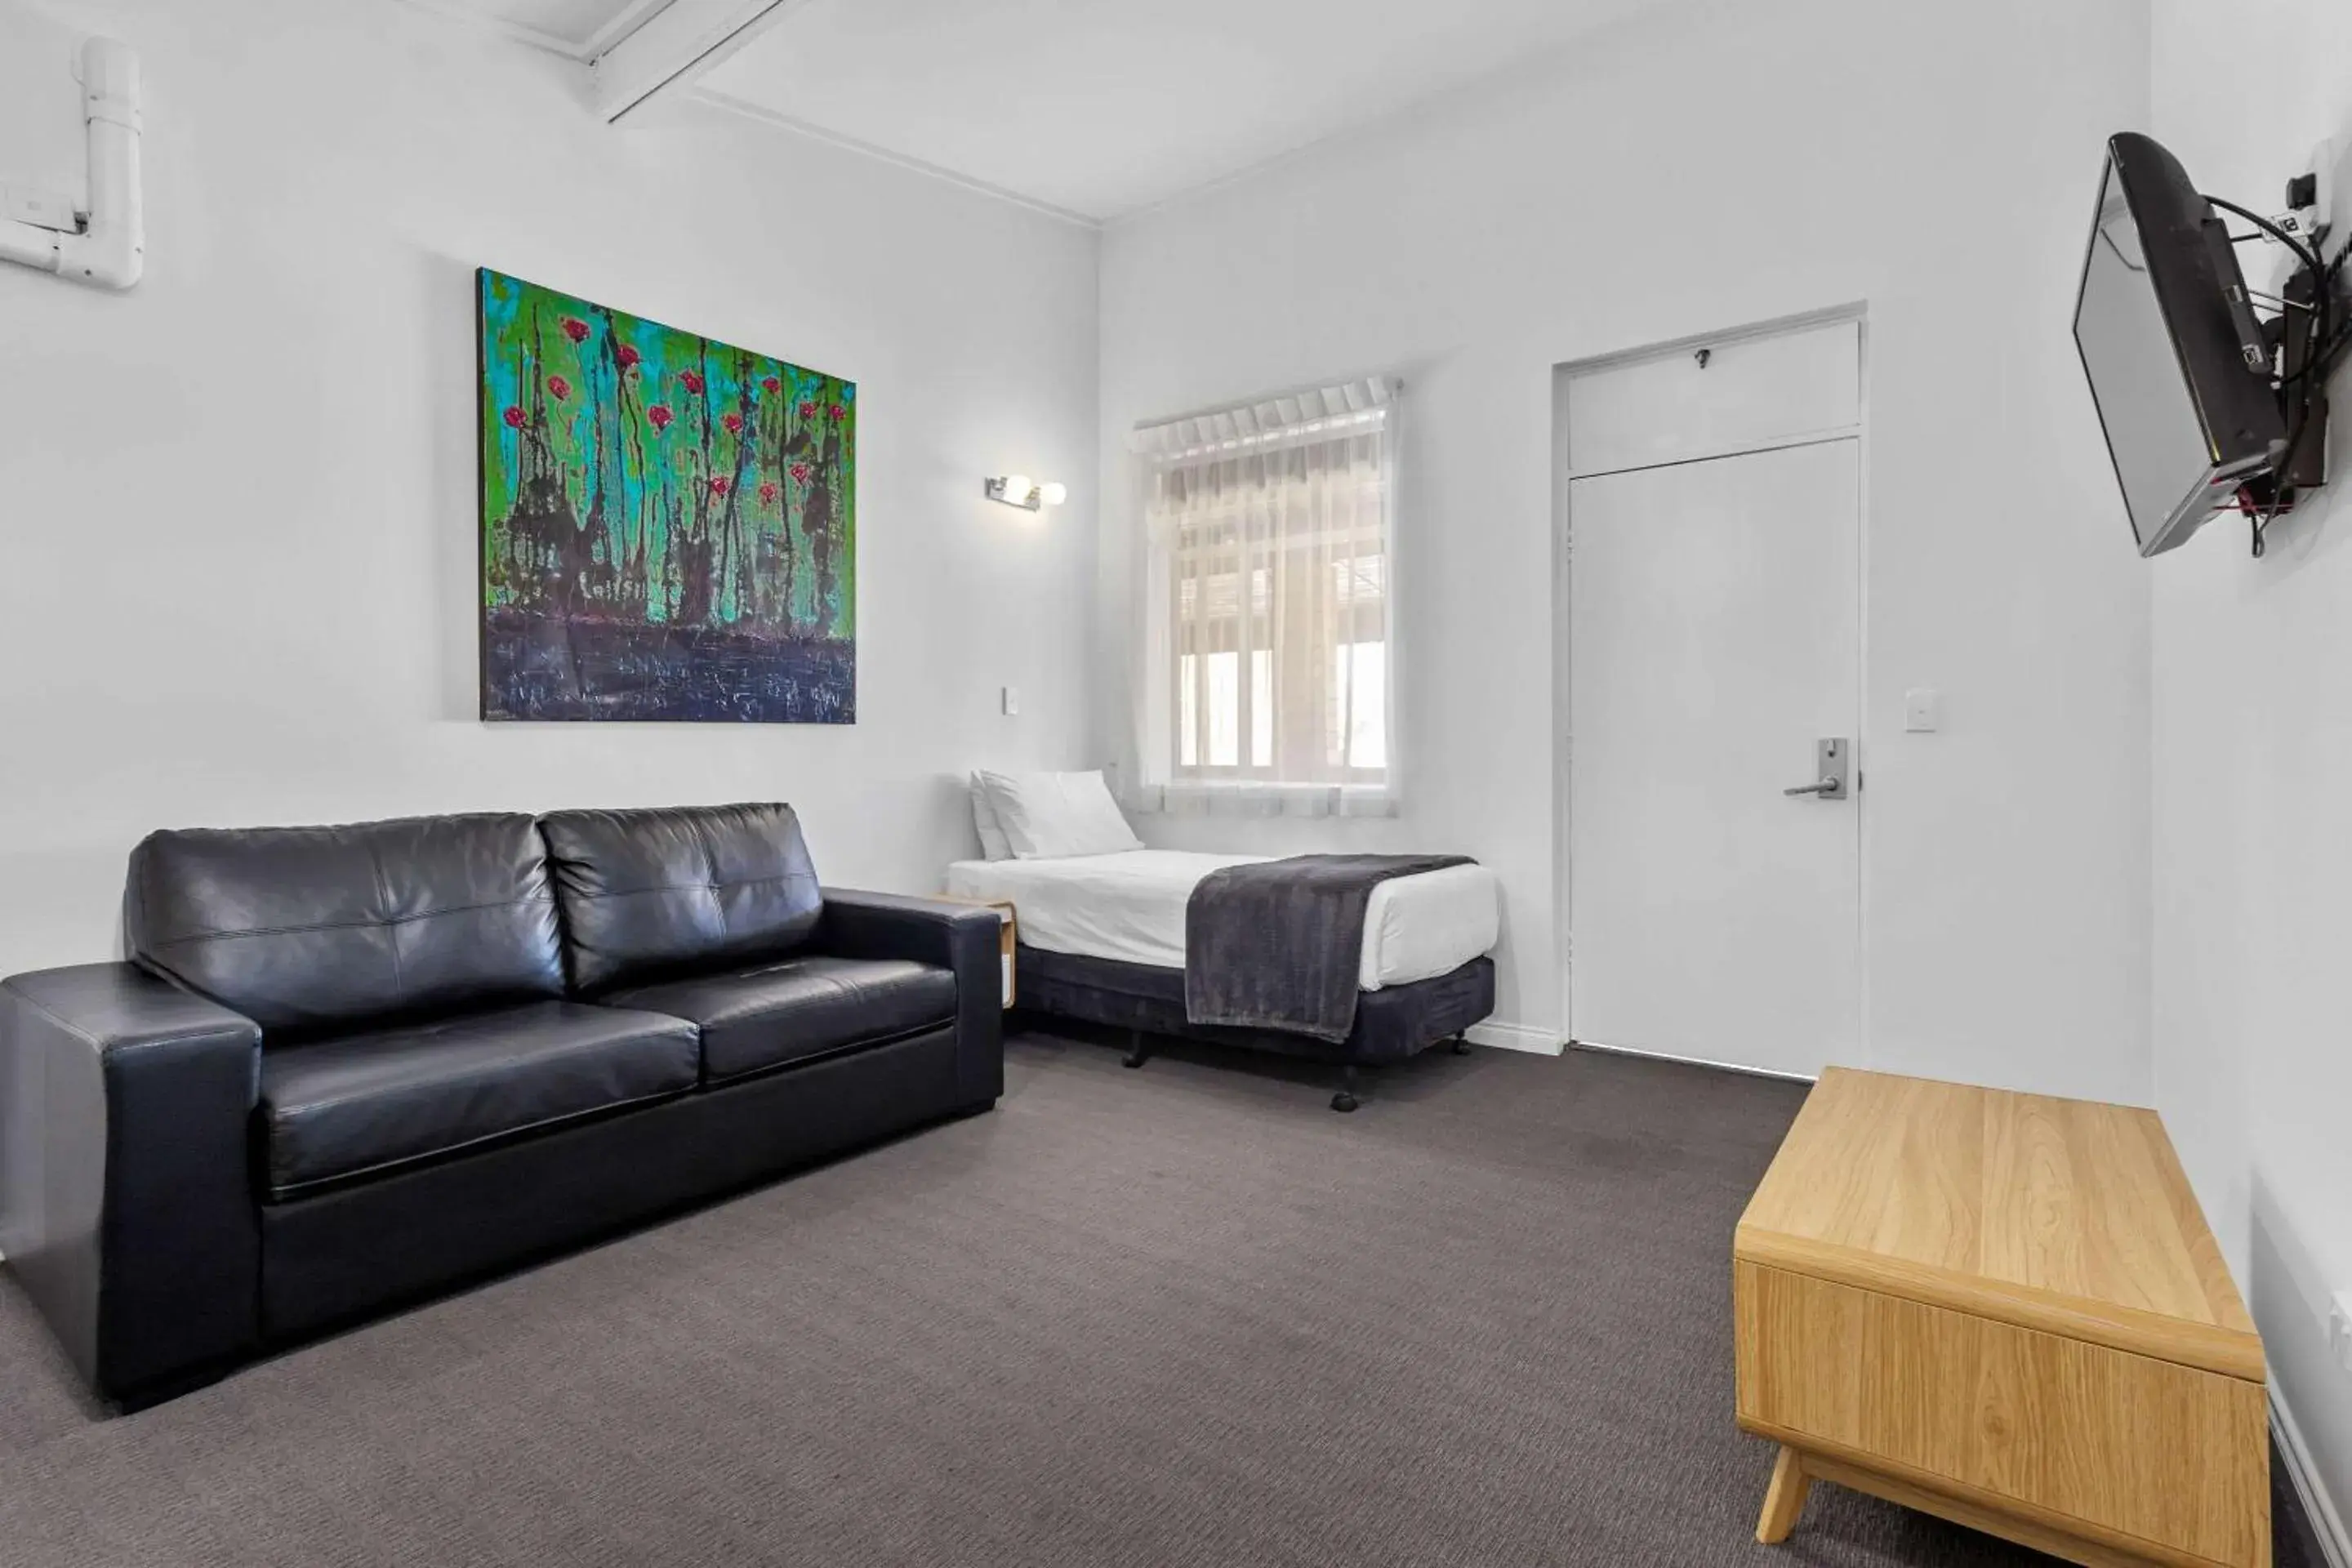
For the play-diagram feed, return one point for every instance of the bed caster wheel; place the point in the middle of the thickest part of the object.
(1343, 1100)
(1461, 1045)
(1138, 1051)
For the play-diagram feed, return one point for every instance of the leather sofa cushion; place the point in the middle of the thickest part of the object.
(367, 1103)
(811, 1006)
(306, 930)
(650, 895)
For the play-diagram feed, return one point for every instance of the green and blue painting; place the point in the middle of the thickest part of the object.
(669, 525)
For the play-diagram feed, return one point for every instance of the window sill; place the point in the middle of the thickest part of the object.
(1253, 797)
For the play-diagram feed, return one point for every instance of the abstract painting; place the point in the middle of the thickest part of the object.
(669, 524)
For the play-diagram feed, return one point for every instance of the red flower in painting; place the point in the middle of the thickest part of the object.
(659, 416)
(768, 493)
(514, 417)
(693, 380)
(720, 484)
(838, 413)
(560, 387)
(808, 410)
(800, 472)
(771, 385)
(734, 423)
(628, 356)
(575, 329)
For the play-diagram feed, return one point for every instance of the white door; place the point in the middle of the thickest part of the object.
(1714, 640)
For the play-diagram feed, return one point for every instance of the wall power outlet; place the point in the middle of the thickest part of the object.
(2330, 173)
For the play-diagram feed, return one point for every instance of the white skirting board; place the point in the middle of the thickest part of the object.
(2327, 1524)
(1517, 1038)
(1690, 1061)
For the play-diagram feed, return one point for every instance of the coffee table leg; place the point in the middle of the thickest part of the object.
(1784, 1499)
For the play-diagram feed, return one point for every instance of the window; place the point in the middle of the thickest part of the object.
(1269, 645)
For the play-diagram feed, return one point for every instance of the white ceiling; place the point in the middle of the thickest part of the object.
(1097, 108)
(1100, 107)
(576, 27)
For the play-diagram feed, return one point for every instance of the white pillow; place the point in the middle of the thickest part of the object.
(993, 844)
(1047, 816)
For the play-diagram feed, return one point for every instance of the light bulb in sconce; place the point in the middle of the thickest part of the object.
(1020, 491)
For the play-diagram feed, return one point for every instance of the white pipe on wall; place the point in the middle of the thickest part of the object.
(112, 250)
(27, 245)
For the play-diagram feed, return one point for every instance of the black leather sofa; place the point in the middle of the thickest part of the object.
(346, 1066)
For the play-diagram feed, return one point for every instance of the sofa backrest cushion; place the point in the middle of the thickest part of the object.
(654, 893)
(307, 930)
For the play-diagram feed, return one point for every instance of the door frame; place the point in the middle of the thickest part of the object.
(1563, 551)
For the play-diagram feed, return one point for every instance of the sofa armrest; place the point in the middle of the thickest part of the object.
(965, 938)
(126, 1203)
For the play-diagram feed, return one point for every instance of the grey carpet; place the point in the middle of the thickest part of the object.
(1184, 1315)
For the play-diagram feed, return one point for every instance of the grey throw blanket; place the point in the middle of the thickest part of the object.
(1280, 944)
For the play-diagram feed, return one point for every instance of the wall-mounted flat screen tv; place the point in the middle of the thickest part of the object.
(2163, 323)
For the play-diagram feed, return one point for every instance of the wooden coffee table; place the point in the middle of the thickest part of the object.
(2007, 1311)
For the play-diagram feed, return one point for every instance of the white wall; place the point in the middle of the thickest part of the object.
(1704, 167)
(2253, 763)
(237, 507)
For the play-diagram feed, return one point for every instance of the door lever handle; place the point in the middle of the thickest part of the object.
(1832, 765)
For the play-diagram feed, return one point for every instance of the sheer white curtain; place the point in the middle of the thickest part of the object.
(1267, 650)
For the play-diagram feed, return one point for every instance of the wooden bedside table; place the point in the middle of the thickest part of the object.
(2005, 1310)
(1004, 907)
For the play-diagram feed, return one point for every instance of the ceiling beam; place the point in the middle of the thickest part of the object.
(674, 46)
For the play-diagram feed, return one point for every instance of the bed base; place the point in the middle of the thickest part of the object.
(1349, 1095)
(1147, 1004)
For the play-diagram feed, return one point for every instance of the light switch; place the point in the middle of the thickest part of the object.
(1012, 700)
(1923, 710)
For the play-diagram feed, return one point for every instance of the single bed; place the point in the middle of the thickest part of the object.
(1101, 939)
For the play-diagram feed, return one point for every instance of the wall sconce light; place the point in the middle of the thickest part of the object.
(1019, 489)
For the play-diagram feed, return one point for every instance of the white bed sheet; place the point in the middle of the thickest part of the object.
(1130, 907)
